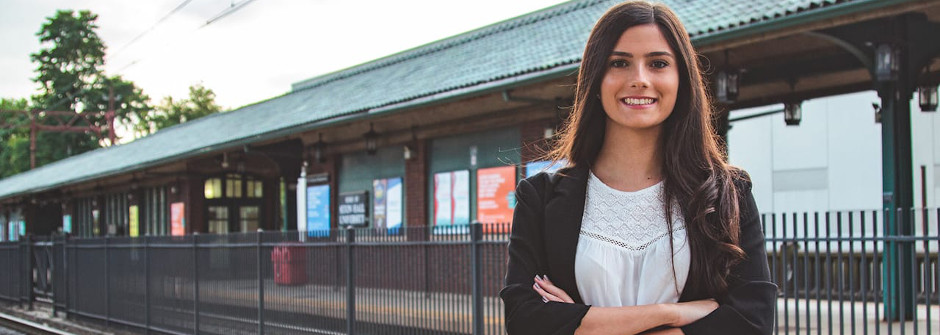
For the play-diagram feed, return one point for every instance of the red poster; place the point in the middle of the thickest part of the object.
(495, 195)
(177, 219)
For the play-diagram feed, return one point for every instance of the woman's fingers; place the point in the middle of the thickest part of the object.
(551, 289)
(546, 297)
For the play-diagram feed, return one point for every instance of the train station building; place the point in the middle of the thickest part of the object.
(439, 135)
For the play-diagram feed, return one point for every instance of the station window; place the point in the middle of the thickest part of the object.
(233, 186)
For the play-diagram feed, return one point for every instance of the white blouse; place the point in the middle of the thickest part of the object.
(623, 256)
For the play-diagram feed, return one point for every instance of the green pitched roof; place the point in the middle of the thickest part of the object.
(543, 44)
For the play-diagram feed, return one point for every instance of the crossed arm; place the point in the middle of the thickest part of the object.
(748, 308)
(658, 319)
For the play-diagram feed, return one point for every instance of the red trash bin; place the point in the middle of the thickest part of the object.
(290, 264)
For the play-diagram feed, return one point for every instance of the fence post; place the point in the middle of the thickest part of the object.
(476, 235)
(65, 273)
(147, 283)
(195, 283)
(260, 288)
(350, 282)
(55, 286)
(28, 272)
(107, 281)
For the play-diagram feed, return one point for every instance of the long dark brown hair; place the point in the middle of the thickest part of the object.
(695, 172)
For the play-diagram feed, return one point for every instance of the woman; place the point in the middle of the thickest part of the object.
(648, 230)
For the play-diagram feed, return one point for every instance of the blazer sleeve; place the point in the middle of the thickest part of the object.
(749, 306)
(525, 311)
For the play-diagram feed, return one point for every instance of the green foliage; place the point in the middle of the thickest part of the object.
(14, 137)
(70, 76)
(171, 112)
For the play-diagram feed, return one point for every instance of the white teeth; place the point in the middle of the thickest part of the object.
(636, 101)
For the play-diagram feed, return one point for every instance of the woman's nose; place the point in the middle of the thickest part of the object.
(639, 78)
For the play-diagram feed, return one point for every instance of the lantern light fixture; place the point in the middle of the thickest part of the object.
(319, 150)
(927, 96)
(886, 63)
(371, 140)
(728, 82)
(793, 113)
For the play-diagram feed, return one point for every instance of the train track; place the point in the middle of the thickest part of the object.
(28, 327)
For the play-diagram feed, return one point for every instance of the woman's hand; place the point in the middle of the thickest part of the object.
(549, 291)
(691, 311)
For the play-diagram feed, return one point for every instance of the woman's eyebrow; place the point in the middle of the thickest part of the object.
(651, 54)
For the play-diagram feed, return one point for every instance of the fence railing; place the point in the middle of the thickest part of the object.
(838, 272)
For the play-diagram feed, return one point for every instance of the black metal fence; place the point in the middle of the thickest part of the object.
(838, 272)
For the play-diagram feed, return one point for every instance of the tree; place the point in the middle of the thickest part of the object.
(71, 79)
(171, 112)
(14, 141)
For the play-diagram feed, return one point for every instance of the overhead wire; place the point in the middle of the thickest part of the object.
(228, 11)
(234, 8)
(154, 26)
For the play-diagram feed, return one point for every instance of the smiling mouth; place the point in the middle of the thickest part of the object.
(638, 101)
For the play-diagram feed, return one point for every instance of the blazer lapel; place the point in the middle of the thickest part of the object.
(563, 211)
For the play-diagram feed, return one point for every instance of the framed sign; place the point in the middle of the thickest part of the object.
(354, 209)
(495, 194)
(177, 219)
(533, 168)
(318, 210)
(134, 218)
(452, 198)
(387, 204)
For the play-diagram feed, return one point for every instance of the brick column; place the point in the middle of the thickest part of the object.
(416, 186)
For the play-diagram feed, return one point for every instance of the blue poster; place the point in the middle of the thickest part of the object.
(318, 210)
(67, 224)
(393, 206)
(533, 168)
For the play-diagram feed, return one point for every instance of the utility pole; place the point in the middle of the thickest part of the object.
(64, 121)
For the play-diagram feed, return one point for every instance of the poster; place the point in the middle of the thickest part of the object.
(452, 198)
(533, 168)
(133, 218)
(353, 209)
(387, 204)
(495, 195)
(95, 217)
(67, 224)
(177, 219)
(318, 210)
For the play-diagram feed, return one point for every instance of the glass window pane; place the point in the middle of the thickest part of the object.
(249, 218)
(259, 189)
(237, 193)
(229, 188)
(218, 219)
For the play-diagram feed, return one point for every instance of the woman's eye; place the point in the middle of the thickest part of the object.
(659, 64)
(618, 63)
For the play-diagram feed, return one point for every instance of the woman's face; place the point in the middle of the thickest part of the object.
(642, 78)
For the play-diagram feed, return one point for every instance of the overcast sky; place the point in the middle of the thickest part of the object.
(251, 55)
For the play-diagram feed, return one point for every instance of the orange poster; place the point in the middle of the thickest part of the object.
(495, 195)
(177, 219)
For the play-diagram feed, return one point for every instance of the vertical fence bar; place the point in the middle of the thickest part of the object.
(29, 270)
(476, 234)
(828, 271)
(876, 278)
(841, 274)
(107, 280)
(147, 284)
(350, 282)
(65, 273)
(785, 260)
(195, 283)
(852, 274)
(260, 287)
(864, 282)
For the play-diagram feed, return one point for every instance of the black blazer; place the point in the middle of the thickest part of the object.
(545, 230)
